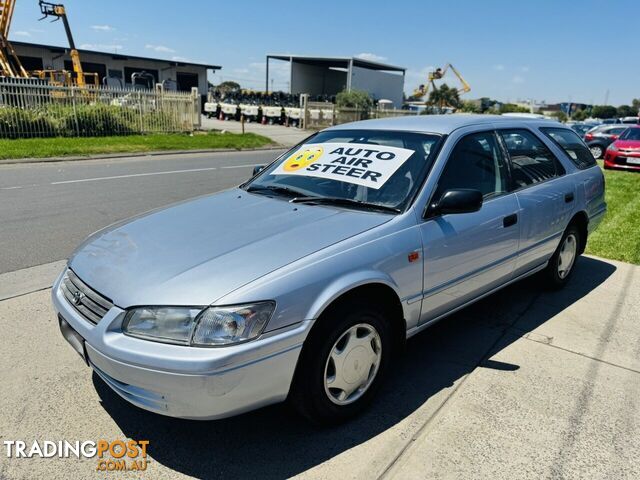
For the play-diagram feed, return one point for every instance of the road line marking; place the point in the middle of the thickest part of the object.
(243, 166)
(11, 188)
(115, 177)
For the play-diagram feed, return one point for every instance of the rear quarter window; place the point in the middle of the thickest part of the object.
(575, 148)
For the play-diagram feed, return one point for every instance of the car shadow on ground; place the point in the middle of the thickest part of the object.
(275, 443)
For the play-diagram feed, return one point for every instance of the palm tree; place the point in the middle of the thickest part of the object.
(444, 96)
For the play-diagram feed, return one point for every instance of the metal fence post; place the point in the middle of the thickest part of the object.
(196, 107)
(75, 111)
(140, 108)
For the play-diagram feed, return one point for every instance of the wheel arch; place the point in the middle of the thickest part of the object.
(581, 220)
(376, 288)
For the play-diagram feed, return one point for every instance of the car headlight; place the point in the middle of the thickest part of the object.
(211, 326)
(612, 147)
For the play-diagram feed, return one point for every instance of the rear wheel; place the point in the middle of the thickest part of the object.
(597, 151)
(562, 263)
(342, 364)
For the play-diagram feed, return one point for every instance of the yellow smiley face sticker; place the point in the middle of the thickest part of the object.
(302, 159)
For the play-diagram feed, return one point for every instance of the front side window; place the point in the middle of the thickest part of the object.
(352, 168)
(475, 163)
(531, 161)
(575, 148)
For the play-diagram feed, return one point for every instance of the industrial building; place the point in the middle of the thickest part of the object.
(331, 75)
(117, 67)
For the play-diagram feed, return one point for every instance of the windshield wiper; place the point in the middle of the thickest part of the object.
(290, 192)
(346, 202)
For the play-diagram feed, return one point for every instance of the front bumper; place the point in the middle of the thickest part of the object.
(618, 159)
(188, 382)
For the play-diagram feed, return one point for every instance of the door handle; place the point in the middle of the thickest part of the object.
(568, 197)
(510, 220)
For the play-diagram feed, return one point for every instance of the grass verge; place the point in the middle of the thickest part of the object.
(64, 146)
(618, 236)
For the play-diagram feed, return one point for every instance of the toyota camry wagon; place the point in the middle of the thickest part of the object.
(303, 283)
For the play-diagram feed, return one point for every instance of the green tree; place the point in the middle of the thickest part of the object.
(444, 96)
(470, 107)
(604, 111)
(512, 108)
(626, 111)
(560, 116)
(229, 86)
(635, 103)
(354, 99)
(580, 116)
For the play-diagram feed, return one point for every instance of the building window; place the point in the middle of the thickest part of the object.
(186, 81)
(31, 63)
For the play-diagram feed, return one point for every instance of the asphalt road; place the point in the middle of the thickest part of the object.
(47, 209)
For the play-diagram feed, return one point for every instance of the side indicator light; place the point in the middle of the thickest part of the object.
(413, 256)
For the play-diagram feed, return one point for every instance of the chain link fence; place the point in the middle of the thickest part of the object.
(31, 108)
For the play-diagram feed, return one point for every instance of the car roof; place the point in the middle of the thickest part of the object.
(442, 124)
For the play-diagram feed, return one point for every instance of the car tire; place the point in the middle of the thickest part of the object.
(562, 263)
(597, 151)
(360, 333)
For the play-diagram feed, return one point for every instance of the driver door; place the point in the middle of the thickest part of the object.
(468, 254)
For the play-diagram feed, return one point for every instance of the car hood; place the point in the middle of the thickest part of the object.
(197, 251)
(628, 144)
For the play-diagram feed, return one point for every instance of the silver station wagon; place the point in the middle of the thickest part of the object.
(304, 283)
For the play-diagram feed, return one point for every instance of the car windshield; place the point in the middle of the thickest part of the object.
(630, 134)
(352, 168)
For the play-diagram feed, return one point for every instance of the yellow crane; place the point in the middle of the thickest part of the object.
(10, 65)
(438, 74)
(58, 11)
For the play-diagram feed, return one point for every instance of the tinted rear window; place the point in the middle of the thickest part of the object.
(572, 145)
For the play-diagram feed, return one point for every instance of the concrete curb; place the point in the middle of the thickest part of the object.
(29, 280)
(73, 158)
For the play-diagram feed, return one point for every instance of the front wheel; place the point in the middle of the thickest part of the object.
(562, 263)
(597, 151)
(342, 364)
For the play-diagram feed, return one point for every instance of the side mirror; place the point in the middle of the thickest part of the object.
(257, 169)
(456, 201)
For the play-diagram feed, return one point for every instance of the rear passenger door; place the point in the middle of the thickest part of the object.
(545, 196)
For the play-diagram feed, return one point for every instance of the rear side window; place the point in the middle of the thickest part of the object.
(531, 161)
(572, 145)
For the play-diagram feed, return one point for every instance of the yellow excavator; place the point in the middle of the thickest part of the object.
(438, 74)
(10, 65)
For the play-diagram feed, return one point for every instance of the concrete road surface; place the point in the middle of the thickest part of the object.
(525, 384)
(47, 209)
(287, 136)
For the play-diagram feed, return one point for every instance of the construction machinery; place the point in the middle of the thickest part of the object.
(438, 74)
(10, 65)
(58, 11)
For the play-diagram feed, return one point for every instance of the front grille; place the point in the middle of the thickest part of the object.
(87, 302)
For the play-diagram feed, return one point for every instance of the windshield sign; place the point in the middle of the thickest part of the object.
(358, 163)
(357, 169)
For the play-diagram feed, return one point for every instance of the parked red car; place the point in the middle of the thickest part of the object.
(624, 153)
